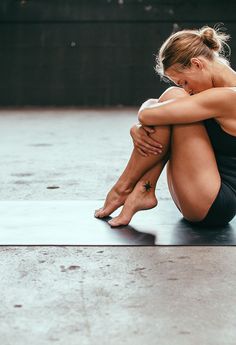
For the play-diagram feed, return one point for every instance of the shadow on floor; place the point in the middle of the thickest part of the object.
(180, 233)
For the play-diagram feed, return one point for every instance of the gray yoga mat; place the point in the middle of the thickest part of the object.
(72, 223)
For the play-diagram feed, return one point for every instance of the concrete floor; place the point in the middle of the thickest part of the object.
(109, 295)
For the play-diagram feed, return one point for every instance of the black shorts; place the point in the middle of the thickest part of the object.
(223, 209)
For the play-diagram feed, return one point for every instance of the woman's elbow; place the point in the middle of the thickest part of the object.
(141, 117)
(144, 118)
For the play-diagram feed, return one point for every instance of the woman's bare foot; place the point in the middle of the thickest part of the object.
(115, 198)
(142, 198)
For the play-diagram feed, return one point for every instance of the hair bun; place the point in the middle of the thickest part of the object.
(213, 38)
(209, 37)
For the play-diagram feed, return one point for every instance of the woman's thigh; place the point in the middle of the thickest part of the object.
(192, 172)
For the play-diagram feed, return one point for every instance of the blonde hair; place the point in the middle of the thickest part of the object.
(183, 45)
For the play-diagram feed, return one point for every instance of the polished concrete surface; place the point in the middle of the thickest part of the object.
(111, 295)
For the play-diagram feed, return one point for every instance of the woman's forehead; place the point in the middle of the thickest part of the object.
(173, 75)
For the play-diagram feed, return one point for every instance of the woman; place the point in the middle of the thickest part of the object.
(195, 136)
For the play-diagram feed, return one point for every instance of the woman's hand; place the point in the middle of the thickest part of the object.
(143, 142)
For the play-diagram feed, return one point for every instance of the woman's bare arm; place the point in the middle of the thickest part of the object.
(215, 102)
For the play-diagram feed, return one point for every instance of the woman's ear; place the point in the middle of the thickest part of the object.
(197, 63)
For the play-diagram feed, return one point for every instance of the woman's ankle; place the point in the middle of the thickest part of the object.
(146, 185)
(124, 187)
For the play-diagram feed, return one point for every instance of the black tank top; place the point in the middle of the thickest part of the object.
(224, 145)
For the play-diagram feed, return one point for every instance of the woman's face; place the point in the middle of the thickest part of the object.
(193, 79)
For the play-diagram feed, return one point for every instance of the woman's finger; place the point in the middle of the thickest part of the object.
(153, 142)
(141, 136)
(148, 151)
(150, 147)
(143, 149)
(142, 152)
(149, 139)
(149, 129)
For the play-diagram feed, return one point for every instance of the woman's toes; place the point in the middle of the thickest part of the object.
(103, 212)
(98, 213)
(117, 221)
(113, 222)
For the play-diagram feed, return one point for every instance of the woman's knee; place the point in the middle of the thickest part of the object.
(163, 133)
(172, 92)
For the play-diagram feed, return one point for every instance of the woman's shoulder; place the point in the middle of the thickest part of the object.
(217, 91)
(224, 99)
(220, 101)
(219, 96)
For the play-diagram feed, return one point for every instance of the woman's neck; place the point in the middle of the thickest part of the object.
(223, 75)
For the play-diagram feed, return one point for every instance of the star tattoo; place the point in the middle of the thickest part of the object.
(147, 186)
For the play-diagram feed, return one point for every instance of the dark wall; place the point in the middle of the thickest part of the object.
(93, 52)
